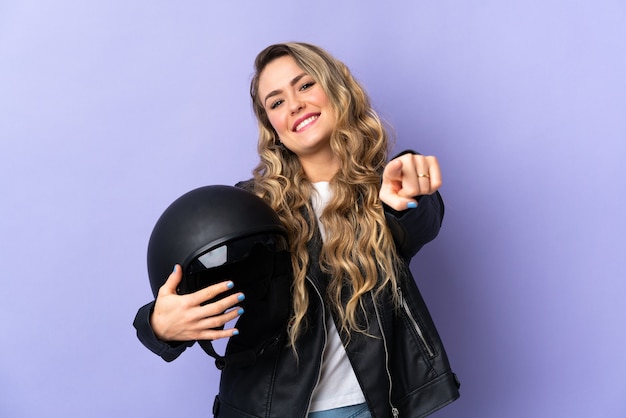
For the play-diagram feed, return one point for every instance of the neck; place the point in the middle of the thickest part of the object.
(317, 170)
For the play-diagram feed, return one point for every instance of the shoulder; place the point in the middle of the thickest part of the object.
(246, 185)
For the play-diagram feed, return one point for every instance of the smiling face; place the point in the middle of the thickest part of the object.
(298, 109)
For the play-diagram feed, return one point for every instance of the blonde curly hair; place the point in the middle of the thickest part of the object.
(358, 251)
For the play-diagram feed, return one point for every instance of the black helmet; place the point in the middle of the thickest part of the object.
(219, 233)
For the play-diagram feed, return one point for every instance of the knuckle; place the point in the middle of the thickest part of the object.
(410, 190)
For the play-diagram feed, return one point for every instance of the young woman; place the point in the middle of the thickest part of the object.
(360, 342)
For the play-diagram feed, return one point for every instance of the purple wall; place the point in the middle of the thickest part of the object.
(110, 110)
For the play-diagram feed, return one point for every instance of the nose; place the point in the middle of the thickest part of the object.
(296, 106)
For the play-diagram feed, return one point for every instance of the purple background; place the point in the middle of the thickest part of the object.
(110, 110)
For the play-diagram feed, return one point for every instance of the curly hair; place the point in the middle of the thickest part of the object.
(358, 252)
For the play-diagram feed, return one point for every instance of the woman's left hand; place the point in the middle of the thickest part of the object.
(407, 177)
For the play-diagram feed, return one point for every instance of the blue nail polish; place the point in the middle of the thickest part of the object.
(411, 205)
(240, 311)
(230, 285)
(235, 332)
(241, 297)
(174, 270)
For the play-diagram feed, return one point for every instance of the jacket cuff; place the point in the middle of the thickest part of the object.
(413, 228)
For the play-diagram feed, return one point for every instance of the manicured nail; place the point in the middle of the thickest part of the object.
(230, 285)
(240, 311)
(235, 332)
(174, 271)
(241, 297)
(411, 205)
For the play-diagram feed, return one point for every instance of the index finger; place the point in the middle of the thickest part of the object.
(210, 292)
(393, 170)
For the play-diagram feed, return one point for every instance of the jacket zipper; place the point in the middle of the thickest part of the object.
(394, 410)
(319, 373)
(416, 326)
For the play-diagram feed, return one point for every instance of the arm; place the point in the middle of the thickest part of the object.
(412, 228)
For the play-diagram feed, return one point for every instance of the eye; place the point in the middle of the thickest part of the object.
(275, 104)
(307, 85)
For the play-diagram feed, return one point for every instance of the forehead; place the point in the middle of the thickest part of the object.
(278, 74)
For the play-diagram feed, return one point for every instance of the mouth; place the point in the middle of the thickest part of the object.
(305, 121)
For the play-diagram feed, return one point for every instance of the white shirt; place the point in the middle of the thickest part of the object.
(337, 385)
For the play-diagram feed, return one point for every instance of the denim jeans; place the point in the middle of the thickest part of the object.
(353, 411)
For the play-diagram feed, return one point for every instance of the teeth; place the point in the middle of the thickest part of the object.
(305, 122)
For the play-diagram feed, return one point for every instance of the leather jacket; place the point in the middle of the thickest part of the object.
(400, 361)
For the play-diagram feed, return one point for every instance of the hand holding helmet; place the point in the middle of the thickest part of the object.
(186, 317)
(217, 235)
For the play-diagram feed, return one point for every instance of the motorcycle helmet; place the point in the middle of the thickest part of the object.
(219, 233)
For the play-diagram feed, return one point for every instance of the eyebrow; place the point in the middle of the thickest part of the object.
(291, 83)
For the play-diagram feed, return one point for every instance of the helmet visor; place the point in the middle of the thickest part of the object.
(246, 259)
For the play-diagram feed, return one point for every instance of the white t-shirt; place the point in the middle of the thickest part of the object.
(337, 385)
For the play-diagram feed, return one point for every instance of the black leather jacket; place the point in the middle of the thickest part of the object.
(401, 365)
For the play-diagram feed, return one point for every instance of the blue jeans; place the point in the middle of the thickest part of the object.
(353, 411)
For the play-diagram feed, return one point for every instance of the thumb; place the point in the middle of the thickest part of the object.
(173, 280)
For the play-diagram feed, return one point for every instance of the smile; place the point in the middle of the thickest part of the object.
(302, 123)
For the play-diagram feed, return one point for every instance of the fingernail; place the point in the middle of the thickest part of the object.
(241, 297)
(240, 311)
(235, 332)
(174, 271)
(230, 285)
(411, 205)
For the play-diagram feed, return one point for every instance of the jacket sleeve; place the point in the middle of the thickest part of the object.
(145, 334)
(412, 228)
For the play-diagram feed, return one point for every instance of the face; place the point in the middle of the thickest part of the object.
(297, 107)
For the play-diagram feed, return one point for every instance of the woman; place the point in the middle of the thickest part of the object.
(360, 341)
